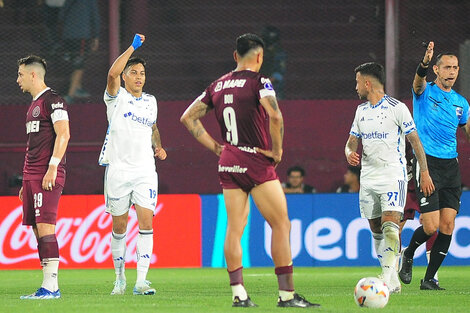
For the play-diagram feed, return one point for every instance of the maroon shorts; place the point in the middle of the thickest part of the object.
(411, 206)
(244, 169)
(39, 205)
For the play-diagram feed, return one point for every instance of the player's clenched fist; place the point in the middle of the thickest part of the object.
(138, 41)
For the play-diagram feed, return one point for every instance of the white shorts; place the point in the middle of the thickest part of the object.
(122, 189)
(375, 198)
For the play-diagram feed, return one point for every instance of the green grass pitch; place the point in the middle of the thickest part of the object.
(207, 290)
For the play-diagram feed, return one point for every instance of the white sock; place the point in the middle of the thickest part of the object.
(118, 250)
(239, 291)
(286, 295)
(390, 250)
(50, 269)
(144, 253)
(428, 257)
(378, 244)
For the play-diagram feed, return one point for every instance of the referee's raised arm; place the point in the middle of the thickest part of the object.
(419, 82)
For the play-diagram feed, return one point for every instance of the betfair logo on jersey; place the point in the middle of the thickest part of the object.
(138, 119)
(32, 127)
(374, 135)
(231, 83)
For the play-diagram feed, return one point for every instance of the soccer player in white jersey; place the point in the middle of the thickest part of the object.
(127, 153)
(381, 124)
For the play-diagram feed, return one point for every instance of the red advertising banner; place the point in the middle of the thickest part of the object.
(83, 231)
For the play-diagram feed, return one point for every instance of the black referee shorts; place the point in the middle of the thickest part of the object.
(445, 174)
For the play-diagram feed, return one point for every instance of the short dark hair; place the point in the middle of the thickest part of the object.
(133, 61)
(296, 169)
(247, 42)
(373, 69)
(448, 53)
(356, 170)
(33, 59)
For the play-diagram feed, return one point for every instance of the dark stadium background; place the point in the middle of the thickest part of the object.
(190, 43)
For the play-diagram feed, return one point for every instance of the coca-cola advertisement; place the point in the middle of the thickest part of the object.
(83, 231)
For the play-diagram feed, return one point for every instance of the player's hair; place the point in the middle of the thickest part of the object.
(372, 69)
(247, 42)
(133, 61)
(448, 53)
(296, 169)
(33, 60)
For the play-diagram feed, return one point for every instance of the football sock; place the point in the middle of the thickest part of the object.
(438, 253)
(236, 283)
(239, 291)
(49, 251)
(390, 249)
(430, 242)
(144, 253)
(118, 250)
(378, 244)
(286, 282)
(419, 236)
(428, 257)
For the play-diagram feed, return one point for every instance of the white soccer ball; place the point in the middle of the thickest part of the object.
(371, 292)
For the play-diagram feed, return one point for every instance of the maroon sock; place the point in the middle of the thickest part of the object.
(285, 277)
(48, 247)
(236, 276)
(430, 242)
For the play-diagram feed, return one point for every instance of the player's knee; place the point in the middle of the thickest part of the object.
(447, 227)
(430, 228)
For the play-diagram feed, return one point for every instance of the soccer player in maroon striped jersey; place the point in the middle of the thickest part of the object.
(47, 127)
(246, 108)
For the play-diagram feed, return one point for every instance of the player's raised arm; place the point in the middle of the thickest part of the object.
(191, 119)
(114, 80)
(350, 150)
(419, 82)
(276, 128)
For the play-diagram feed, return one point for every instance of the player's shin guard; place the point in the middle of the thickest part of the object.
(390, 249)
(118, 250)
(144, 253)
(286, 281)
(378, 244)
(49, 251)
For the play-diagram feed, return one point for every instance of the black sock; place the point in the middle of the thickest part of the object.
(419, 237)
(438, 253)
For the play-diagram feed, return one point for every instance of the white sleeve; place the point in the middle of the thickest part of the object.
(355, 131)
(404, 118)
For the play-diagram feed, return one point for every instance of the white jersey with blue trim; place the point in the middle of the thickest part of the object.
(128, 142)
(382, 129)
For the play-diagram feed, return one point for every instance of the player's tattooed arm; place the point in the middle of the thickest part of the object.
(426, 184)
(350, 150)
(191, 119)
(276, 127)
(157, 143)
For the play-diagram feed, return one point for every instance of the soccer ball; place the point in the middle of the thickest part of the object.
(371, 292)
